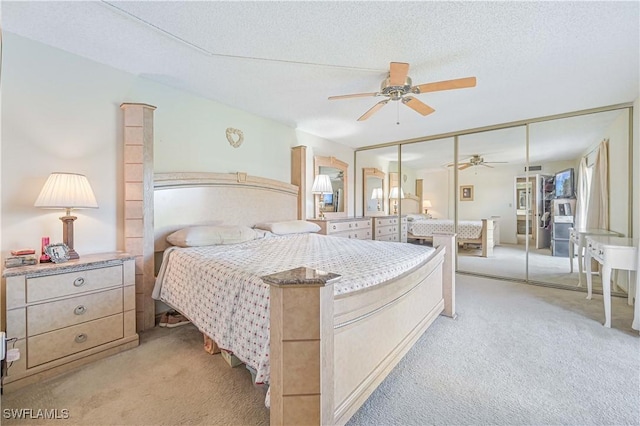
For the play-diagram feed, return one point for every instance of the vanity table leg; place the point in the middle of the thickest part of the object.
(571, 254)
(606, 294)
(587, 260)
(636, 309)
(580, 267)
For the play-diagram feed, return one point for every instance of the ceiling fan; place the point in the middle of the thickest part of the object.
(398, 87)
(475, 160)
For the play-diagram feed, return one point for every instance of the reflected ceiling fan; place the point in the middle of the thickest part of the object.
(475, 160)
(398, 87)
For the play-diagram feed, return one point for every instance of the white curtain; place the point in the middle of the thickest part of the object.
(582, 195)
(598, 206)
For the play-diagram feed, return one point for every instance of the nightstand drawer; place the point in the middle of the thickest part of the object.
(57, 344)
(64, 313)
(70, 283)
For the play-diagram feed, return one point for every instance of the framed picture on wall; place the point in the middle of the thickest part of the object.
(466, 193)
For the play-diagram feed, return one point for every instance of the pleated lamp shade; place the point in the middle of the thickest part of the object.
(66, 191)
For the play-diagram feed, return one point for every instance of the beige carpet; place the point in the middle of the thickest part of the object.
(517, 354)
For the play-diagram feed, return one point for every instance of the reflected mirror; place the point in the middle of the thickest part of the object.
(332, 203)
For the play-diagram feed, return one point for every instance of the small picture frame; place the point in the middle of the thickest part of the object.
(59, 253)
(466, 193)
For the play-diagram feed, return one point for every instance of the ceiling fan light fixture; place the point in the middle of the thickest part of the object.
(398, 84)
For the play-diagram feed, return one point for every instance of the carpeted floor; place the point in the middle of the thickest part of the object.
(516, 354)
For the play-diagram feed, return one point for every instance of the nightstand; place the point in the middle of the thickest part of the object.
(68, 314)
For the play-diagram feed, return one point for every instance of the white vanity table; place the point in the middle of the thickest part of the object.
(577, 237)
(613, 253)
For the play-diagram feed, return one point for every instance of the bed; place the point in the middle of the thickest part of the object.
(484, 232)
(318, 330)
(421, 227)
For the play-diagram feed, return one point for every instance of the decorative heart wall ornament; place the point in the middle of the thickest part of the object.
(235, 137)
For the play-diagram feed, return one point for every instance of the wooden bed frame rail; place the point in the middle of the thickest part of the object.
(319, 374)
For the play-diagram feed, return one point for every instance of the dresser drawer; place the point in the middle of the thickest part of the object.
(351, 225)
(387, 221)
(70, 340)
(63, 313)
(361, 234)
(389, 230)
(70, 283)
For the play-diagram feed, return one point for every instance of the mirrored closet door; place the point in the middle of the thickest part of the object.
(576, 161)
(495, 203)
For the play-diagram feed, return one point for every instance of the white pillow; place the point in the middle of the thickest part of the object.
(195, 236)
(289, 227)
(413, 216)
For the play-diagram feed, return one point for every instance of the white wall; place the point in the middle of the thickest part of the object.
(636, 169)
(62, 112)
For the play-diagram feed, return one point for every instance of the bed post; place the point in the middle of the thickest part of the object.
(448, 272)
(301, 351)
(487, 237)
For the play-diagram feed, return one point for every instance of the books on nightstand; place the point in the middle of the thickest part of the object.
(22, 257)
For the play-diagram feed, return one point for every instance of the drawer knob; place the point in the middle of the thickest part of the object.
(334, 227)
(79, 310)
(78, 282)
(350, 225)
(81, 338)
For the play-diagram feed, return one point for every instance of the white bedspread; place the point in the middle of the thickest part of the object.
(467, 229)
(220, 290)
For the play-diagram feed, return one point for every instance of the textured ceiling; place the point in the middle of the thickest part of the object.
(281, 60)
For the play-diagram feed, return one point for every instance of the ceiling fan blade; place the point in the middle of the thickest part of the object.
(459, 83)
(373, 110)
(496, 162)
(417, 105)
(355, 95)
(464, 166)
(398, 73)
(486, 165)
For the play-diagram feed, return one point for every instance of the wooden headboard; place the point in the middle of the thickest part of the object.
(182, 199)
(410, 204)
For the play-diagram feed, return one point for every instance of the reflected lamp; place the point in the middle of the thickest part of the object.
(321, 186)
(426, 205)
(396, 193)
(376, 194)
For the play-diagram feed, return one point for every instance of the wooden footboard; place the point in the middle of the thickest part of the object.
(328, 354)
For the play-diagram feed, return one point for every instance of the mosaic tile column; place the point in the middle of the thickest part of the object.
(138, 205)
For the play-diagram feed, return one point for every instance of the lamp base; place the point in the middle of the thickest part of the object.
(73, 254)
(67, 235)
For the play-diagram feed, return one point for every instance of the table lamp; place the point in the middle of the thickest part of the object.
(321, 186)
(67, 191)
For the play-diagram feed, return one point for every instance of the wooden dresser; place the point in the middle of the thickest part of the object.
(385, 228)
(67, 314)
(354, 227)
